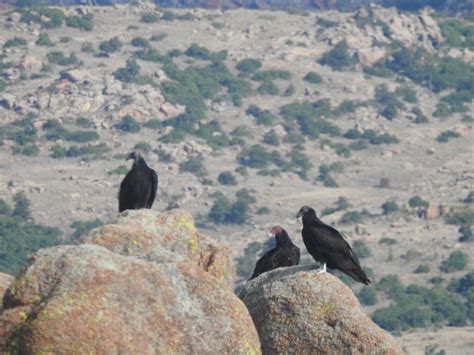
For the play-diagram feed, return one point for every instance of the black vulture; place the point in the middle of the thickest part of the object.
(138, 188)
(285, 253)
(327, 246)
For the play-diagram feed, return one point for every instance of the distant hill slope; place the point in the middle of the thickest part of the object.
(452, 6)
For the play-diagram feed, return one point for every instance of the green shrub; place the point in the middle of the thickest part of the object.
(129, 73)
(388, 241)
(338, 58)
(87, 47)
(420, 117)
(267, 87)
(21, 236)
(84, 22)
(248, 66)
(143, 146)
(461, 215)
(361, 249)
(58, 57)
(392, 286)
(110, 46)
(255, 157)
(227, 178)
(417, 201)
(158, 37)
(149, 18)
(466, 234)
(324, 173)
(194, 166)
(225, 212)
(27, 150)
(84, 227)
(368, 296)
(351, 217)
(263, 117)
(270, 75)
(263, 211)
(271, 138)
(22, 206)
(152, 123)
(140, 42)
(313, 78)
(128, 124)
(44, 40)
(15, 42)
(407, 94)
(389, 207)
(120, 170)
(446, 136)
(422, 269)
(456, 261)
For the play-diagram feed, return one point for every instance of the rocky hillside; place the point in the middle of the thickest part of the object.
(246, 116)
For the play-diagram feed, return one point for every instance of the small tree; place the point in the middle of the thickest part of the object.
(22, 206)
(338, 58)
(313, 78)
(368, 296)
(128, 124)
(227, 178)
(417, 201)
(389, 207)
(456, 261)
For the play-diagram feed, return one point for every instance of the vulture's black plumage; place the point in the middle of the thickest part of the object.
(138, 188)
(285, 253)
(327, 246)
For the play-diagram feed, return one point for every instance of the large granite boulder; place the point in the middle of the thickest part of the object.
(146, 285)
(297, 311)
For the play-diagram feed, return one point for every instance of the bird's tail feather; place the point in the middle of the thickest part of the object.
(359, 275)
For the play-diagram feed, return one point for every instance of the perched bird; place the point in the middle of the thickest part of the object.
(327, 246)
(138, 188)
(285, 253)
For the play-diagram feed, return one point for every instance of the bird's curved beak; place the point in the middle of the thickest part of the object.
(130, 156)
(271, 235)
(299, 216)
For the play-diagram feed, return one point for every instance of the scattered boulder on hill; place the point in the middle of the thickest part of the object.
(305, 313)
(148, 284)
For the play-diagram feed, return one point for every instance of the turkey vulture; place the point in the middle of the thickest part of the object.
(327, 246)
(285, 253)
(138, 188)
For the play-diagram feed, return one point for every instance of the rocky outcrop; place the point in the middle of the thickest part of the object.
(148, 284)
(304, 313)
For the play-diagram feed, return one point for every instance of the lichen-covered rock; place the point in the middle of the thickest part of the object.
(118, 293)
(165, 237)
(297, 311)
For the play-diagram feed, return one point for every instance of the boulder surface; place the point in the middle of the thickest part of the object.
(297, 311)
(146, 285)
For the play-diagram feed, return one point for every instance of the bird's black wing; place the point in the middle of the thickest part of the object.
(336, 251)
(154, 187)
(294, 255)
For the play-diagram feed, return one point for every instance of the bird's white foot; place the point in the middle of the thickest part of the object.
(321, 270)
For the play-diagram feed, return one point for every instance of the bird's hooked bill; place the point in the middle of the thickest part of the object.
(271, 235)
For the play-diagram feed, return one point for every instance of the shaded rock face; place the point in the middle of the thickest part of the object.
(5, 281)
(297, 311)
(114, 295)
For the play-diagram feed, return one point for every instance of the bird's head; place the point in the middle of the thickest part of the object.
(280, 235)
(305, 211)
(134, 155)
